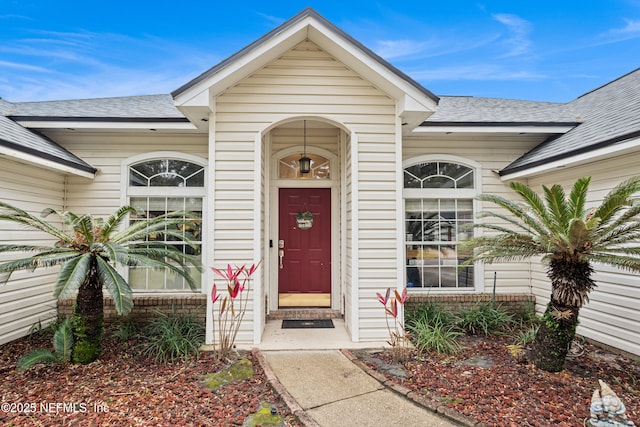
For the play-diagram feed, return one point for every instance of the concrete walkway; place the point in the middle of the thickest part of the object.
(331, 391)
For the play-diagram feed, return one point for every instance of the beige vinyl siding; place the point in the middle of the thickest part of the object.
(264, 186)
(325, 138)
(27, 299)
(492, 152)
(612, 315)
(377, 225)
(308, 83)
(106, 151)
(350, 308)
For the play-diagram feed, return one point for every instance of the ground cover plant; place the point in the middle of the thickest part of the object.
(483, 379)
(125, 387)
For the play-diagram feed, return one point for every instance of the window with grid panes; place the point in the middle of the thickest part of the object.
(157, 187)
(438, 212)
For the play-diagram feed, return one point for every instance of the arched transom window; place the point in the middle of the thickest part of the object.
(156, 187)
(438, 214)
(289, 167)
(438, 175)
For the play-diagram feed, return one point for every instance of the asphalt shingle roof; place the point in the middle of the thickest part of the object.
(148, 107)
(471, 110)
(610, 114)
(18, 138)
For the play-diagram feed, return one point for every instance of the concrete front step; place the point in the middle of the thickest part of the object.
(304, 313)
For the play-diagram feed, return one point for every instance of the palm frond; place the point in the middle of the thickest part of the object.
(533, 201)
(31, 248)
(557, 207)
(516, 210)
(514, 221)
(631, 263)
(38, 261)
(84, 224)
(63, 340)
(620, 236)
(34, 357)
(159, 259)
(618, 198)
(606, 231)
(167, 224)
(578, 197)
(16, 215)
(114, 220)
(71, 275)
(68, 217)
(117, 287)
(503, 247)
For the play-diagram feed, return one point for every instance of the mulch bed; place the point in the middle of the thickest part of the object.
(513, 394)
(123, 388)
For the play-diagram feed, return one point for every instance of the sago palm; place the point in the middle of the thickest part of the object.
(571, 239)
(89, 251)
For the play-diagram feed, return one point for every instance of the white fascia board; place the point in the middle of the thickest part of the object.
(48, 164)
(412, 113)
(55, 124)
(411, 99)
(577, 160)
(493, 129)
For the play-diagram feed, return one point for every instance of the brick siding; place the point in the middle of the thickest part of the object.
(146, 307)
(513, 303)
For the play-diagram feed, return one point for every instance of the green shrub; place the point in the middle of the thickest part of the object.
(62, 344)
(485, 318)
(126, 329)
(527, 314)
(432, 313)
(435, 336)
(526, 336)
(171, 337)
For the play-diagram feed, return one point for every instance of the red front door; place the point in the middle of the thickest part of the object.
(304, 277)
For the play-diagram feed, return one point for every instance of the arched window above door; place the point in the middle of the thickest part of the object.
(289, 167)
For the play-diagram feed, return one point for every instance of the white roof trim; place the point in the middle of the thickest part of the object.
(116, 125)
(493, 129)
(413, 103)
(48, 164)
(577, 160)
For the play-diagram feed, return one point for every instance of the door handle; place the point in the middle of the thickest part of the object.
(281, 255)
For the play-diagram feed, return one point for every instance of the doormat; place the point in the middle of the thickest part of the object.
(307, 324)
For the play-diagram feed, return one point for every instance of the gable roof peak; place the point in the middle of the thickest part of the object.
(321, 24)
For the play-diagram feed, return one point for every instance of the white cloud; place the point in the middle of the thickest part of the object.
(630, 31)
(519, 30)
(275, 20)
(398, 48)
(478, 72)
(19, 66)
(632, 27)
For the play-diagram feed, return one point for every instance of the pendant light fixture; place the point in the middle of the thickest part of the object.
(305, 162)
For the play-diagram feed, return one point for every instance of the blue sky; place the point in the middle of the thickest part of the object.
(520, 49)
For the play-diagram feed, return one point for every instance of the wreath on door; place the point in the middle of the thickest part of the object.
(305, 220)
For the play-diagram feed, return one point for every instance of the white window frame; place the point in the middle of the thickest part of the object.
(437, 193)
(126, 192)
